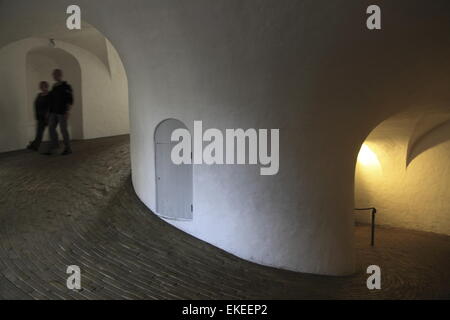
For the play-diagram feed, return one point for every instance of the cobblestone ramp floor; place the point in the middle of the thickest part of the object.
(82, 210)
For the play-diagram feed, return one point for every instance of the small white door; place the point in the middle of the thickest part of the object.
(173, 182)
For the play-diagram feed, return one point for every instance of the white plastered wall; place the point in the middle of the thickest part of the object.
(13, 88)
(105, 93)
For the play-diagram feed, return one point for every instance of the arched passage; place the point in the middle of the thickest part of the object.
(403, 171)
(173, 182)
(91, 65)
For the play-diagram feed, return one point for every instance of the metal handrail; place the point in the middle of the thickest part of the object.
(374, 210)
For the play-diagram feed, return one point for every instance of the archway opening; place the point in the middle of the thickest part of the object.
(403, 171)
(90, 65)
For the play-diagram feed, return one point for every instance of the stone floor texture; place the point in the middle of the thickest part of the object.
(82, 210)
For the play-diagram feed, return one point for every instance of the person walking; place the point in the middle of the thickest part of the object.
(41, 112)
(61, 97)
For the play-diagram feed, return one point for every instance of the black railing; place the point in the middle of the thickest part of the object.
(373, 210)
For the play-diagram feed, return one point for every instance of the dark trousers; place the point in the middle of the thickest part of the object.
(53, 122)
(40, 129)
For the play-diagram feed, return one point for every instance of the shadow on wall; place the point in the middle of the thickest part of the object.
(433, 138)
(412, 186)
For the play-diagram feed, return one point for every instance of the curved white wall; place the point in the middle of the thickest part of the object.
(309, 68)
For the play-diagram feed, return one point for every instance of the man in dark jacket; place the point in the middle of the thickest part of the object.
(41, 110)
(61, 100)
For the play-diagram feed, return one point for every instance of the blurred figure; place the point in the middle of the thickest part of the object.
(41, 111)
(61, 102)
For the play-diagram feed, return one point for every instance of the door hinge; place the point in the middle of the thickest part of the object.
(192, 208)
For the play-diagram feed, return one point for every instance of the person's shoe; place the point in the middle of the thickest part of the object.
(66, 152)
(32, 147)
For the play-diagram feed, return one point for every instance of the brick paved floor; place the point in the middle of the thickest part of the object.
(58, 211)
